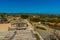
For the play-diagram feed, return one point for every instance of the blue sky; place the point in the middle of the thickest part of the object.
(30, 6)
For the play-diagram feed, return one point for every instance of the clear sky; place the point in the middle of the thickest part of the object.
(30, 6)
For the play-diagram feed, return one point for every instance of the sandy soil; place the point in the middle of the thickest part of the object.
(4, 27)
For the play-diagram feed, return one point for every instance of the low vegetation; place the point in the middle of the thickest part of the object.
(35, 19)
(24, 16)
(54, 27)
(37, 37)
